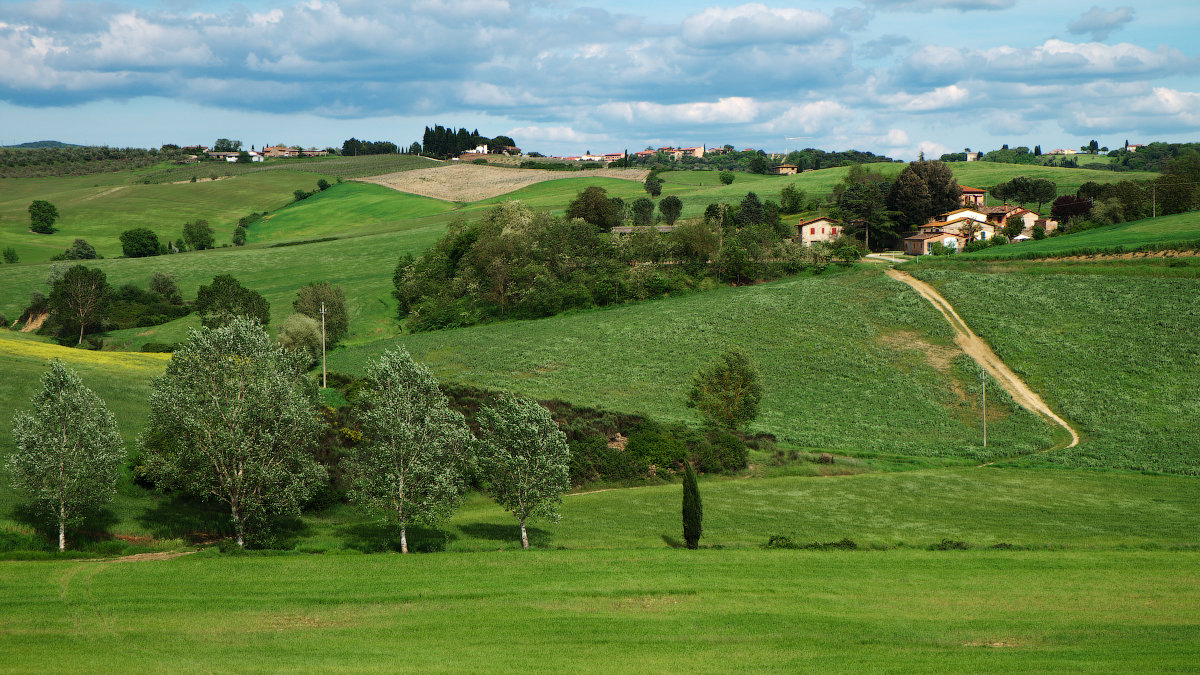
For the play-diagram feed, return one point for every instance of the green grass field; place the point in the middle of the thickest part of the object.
(1114, 354)
(694, 611)
(1182, 229)
(843, 358)
(340, 167)
(346, 210)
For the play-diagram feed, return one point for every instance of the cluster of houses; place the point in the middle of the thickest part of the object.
(269, 152)
(953, 230)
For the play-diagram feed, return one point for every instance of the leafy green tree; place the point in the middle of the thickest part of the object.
(642, 210)
(301, 333)
(322, 184)
(235, 419)
(653, 186)
(523, 458)
(758, 164)
(909, 199)
(693, 510)
(10, 255)
(309, 300)
(750, 211)
(140, 242)
(1039, 231)
(595, 206)
(68, 450)
(80, 296)
(1042, 191)
(791, 199)
(198, 235)
(226, 145)
(225, 298)
(864, 204)
(727, 394)
(726, 177)
(410, 466)
(939, 181)
(1014, 226)
(239, 236)
(42, 215)
(166, 286)
(80, 249)
(670, 208)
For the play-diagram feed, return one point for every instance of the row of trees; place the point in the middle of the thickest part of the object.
(756, 161)
(78, 160)
(439, 141)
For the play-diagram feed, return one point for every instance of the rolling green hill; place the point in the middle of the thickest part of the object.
(1181, 229)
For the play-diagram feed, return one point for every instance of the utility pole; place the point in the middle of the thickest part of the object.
(983, 381)
(325, 383)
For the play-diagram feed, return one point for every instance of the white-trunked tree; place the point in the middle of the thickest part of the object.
(411, 465)
(523, 458)
(69, 452)
(234, 418)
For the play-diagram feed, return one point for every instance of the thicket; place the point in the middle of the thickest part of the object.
(78, 161)
(757, 161)
(520, 263)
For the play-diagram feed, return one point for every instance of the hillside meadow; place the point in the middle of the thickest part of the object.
(1181, 230)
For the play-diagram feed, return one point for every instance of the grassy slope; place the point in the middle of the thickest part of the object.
(342, 167)
(1183, 228)
(1115, 354)
(694, 611)
(99, 211)
(838, 368)
(346, 210)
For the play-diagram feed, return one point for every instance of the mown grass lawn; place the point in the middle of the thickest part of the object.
(614, 611)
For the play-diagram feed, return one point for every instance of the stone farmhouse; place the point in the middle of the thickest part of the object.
(820, 228)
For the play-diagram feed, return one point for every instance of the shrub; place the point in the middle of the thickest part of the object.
(140, 242)
(239, 236)
(1039, 231)
(729, 451)
(950, 545)
(726, 177)
(322, 185)
(158, 347)
(10, 255)
(656, 446)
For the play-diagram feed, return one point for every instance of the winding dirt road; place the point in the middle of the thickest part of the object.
(979, 350)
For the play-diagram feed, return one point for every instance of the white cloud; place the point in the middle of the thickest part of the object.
(818, 117)
(536, 134)
(754, 23)
(1100, 23)
(942, 98)
(930, 5)
(732, 110)
(932, 149)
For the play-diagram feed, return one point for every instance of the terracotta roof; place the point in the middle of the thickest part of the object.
(817, 220)
(972, 190)
(931, 235)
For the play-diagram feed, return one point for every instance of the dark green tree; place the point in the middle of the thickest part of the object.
(239, 236)
(225, 298)
(693, 510)
(653, 186)
(727, 394)
(42, 215)
(750, 211)
(80, 249)
(670, 208)
(10, 255)
(311, 298)
(140, 242)
(642, 210)
(726, 177)
(198, 235)
(791, 199)
(81, 296)
(226, 145)
(595, 206)
(909, 198)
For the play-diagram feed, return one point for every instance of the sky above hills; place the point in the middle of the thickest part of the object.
(895, 77)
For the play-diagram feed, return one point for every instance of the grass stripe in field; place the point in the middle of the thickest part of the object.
(610, 611)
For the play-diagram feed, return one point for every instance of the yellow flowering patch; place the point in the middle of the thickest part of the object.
(13, 347)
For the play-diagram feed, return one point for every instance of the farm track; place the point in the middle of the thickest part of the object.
(981, 353)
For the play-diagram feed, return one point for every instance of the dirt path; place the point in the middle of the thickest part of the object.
(142, 557)
(979, 350)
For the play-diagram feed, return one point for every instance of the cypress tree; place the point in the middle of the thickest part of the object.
(693, 512)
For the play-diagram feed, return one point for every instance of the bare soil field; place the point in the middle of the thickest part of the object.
(473, 182)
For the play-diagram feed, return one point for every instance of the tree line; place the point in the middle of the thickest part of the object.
(446, 142)
(79, 160)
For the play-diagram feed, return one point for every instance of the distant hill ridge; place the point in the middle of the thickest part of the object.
(40, 144)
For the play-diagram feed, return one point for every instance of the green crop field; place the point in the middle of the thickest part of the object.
(346, 210)
(340, 167)
(1182, 229)
(855, 362)
(1115, 354)
(693, 611)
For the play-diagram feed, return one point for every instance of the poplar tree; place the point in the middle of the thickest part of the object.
(69, 452)
(411, 464)
(693, 512)
(523, 458)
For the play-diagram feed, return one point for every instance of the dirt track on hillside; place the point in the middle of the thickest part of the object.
(472, 182)
(979, 350)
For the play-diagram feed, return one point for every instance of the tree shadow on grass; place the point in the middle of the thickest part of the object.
(194, 520)
(673, 542)
(92, 528)
(377, 537)
(496, 532)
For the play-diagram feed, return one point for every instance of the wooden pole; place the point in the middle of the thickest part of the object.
(324, 381)
(983, 380)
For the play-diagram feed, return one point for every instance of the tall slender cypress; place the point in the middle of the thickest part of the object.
(693, 512)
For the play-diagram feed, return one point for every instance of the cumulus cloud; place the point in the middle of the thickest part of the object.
(942, 98)
(753, 23)
(930, 5)
(1099, 23)
(816, 117)
(733, 110)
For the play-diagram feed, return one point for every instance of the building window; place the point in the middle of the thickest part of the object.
(812, 230)
(833, 231)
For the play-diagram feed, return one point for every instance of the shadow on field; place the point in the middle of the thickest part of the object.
(673, 542)
(182, 518)
(377, 537)
(93, 527)
(494, 532)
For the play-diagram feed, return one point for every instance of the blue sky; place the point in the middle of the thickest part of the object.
(561, 76)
